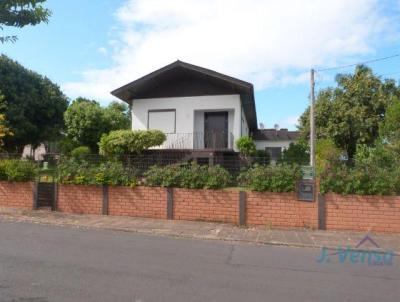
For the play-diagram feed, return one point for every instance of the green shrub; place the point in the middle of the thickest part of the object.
(217, 178)
(359, 180)
(192, 176)
(375, 172)
(297, 153)
(129, 142)
(280, 178)
(17, 170)
(246, 146)
(80, 172)
(80, 152)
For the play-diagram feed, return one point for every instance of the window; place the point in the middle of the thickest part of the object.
(275, 153)
(163, 120)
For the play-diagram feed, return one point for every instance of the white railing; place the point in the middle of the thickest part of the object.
(213, 140)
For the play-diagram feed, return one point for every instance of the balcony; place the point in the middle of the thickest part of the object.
(210, 140)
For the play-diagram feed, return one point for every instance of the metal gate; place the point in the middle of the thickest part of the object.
(46, 195)
(46, 190)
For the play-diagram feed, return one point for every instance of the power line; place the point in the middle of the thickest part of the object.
(359, 63)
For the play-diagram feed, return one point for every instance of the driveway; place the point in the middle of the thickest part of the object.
(41, 263)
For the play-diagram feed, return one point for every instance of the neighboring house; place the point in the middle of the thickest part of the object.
(274, 141)
(197, 108)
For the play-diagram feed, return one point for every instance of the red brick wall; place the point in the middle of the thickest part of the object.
(206, 205)
(281, 210)
(80, 199)
(16, 194)
(138, 202)
(363, 213)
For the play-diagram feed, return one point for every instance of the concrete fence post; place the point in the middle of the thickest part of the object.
(242, 208)
(105, 200)
(35, 196)
(54, 204)
(321, 212)
(170, 203)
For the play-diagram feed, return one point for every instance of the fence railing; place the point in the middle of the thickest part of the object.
(214, 140)
(142, 162)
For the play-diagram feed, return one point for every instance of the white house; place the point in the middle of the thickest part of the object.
(274, 141)
(196, 108)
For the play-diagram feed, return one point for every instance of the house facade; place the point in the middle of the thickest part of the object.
(197, 108)
(274, 141)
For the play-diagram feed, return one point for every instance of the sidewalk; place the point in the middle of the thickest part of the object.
(206, 230)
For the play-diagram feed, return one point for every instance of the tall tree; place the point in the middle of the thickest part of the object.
(4, 130)
(20, 13)
(351, 113)
(390, 128)
(34, 106)
(86, 121)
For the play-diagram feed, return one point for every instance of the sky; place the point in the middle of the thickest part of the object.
(90, 47)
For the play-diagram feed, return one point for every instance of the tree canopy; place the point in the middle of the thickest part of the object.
(86, 121)
(20, 13)
(390, 128)
(34, 106)
(352, 112)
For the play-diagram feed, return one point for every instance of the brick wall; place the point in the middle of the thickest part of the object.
(363, 213)
(16, 194)
(138, 202)
(206, 205)
(281, 210)
(354, 213)
(80, 199)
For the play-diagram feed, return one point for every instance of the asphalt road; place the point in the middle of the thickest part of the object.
(46, 263)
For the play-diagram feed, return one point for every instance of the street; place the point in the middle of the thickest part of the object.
(40, 263)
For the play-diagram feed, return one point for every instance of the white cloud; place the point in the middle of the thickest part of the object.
(290, 122)
(102, 50)
(263, 41)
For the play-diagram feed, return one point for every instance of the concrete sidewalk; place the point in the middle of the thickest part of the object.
(207, 230)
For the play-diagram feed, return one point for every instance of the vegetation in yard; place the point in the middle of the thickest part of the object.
(34, 106)
(246, 146)
(351, 113)
(130, 142)
(81, 172)
(297, 153)
(4, 129)
(86, 121)
(191, 176)
(80, 152)
(18, 170)
(279, 178)
(375, 172)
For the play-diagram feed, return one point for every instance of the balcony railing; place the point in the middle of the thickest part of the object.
(213, 140)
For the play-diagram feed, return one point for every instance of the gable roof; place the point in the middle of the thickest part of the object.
(275, 135)
(189, 80)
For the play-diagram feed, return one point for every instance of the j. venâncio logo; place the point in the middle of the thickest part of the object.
(357, 255)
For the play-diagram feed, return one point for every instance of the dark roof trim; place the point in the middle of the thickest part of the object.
(275, 135)
(246, 90)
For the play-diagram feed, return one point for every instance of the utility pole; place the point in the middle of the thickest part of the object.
(312, 122)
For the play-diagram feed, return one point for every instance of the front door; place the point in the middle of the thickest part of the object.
(216, 130)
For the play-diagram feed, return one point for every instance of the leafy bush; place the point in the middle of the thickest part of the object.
(361, 181)
(192, 176)
(127, 142)
(80, 152)
(280, 178)
(246, 146)
(17, 170)
(80, 172)
(297, 153)
(375, 172)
